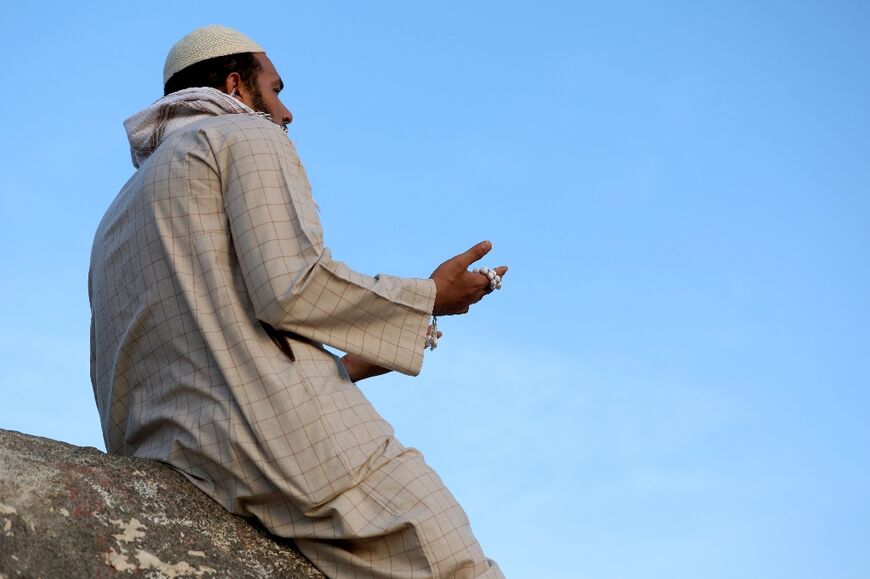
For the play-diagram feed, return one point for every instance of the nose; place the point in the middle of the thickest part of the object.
(287, 116)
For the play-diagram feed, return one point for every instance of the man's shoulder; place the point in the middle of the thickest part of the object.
(229, 136)
(234, 128)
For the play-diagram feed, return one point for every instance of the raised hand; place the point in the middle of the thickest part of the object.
(458, 288)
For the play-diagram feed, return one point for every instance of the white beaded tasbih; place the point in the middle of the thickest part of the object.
(432, 336)
(494, 284)
(494, 278)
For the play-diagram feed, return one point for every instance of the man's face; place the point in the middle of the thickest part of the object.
(263, 96)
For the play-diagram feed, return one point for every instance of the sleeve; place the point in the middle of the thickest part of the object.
(290, 276)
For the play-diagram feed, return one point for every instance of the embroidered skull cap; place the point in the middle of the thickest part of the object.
(204, 43)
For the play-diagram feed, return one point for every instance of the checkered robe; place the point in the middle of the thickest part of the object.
(211, 246)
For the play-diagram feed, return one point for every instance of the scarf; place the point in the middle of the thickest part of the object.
(149, 127)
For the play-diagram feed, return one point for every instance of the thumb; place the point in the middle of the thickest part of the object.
(474, 254)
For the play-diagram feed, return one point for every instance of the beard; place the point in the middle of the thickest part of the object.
(259, 105)
(257, 102)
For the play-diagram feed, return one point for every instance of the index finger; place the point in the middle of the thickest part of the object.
(474, 254)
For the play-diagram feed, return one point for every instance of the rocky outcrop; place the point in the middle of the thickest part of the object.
(67, 511)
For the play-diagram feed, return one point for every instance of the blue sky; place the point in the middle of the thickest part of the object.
(673, 382)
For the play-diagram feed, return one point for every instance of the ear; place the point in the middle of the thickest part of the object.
(232, 84)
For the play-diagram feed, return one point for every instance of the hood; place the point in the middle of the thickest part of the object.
(148, 128)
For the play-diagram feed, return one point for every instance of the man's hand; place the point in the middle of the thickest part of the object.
(360, 369)
(457, 288)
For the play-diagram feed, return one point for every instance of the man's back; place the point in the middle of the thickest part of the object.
(183, 371)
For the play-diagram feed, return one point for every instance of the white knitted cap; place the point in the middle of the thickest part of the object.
(204, 43)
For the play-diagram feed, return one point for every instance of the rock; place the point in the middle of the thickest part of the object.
(67, 511)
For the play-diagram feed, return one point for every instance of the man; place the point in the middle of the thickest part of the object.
(212, 296)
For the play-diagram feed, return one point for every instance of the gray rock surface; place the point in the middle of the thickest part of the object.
(70, 512)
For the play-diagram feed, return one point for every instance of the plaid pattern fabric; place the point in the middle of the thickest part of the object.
(216, 232)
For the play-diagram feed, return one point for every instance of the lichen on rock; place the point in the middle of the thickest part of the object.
(67, 511)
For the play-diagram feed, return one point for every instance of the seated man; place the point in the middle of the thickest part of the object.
(212, 296)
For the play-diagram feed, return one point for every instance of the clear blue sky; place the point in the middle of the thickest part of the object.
(674, 382)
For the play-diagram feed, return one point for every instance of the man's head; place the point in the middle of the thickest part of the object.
(222, 58)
